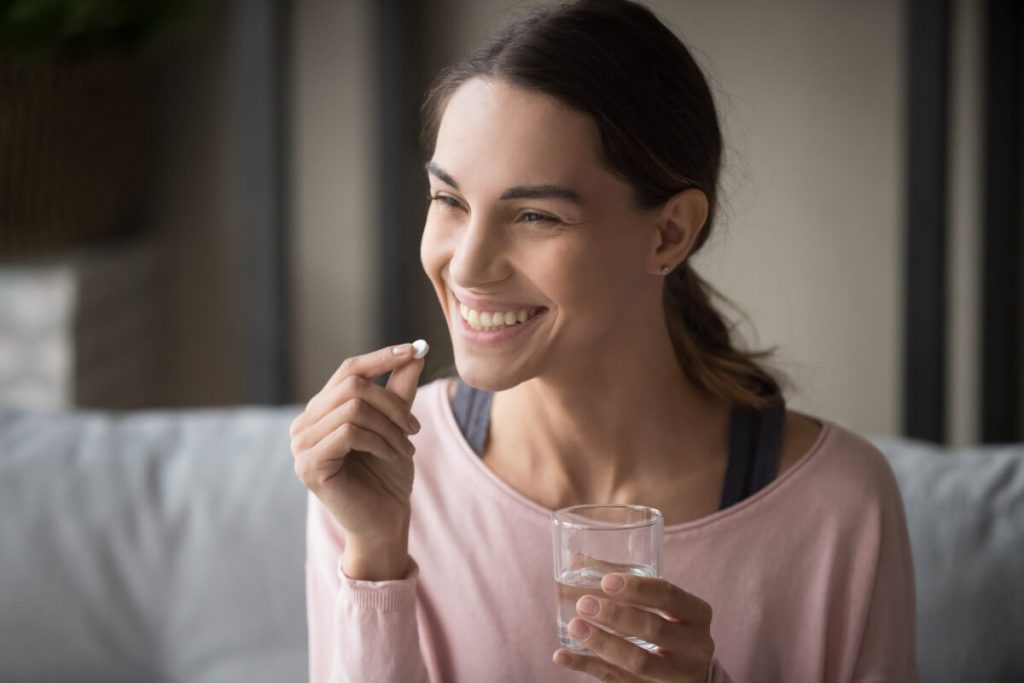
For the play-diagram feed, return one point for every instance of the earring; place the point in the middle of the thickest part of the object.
(665, 270)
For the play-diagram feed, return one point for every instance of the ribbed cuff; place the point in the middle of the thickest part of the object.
(383, 596)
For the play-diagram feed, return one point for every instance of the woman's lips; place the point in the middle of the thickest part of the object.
(496, 335)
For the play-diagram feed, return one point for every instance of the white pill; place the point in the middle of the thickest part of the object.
(420, 347)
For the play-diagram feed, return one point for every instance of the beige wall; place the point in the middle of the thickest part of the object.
(332, 192)
(809, 243)
(964, 206)
(196, 229)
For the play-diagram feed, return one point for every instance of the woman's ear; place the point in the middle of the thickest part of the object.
(677, 228)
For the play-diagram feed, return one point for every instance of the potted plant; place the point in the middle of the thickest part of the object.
(76, 88)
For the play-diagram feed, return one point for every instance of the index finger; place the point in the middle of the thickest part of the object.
(659, 594)
(373, 364)
(404, 380)
(366, 366)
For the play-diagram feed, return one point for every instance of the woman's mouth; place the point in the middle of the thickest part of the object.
(489, 321)
(487, 325)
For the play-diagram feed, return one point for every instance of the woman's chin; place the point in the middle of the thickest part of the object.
(486, 376)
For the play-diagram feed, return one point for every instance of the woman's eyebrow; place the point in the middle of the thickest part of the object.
(519, 191)
(543, 192)
(432, 167)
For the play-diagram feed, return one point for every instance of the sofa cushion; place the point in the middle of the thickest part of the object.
(157, 545)
(965, 513)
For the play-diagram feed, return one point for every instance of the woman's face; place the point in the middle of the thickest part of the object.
(526, 222)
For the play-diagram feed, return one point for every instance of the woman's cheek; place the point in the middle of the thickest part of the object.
(593, 293)
(432, 251)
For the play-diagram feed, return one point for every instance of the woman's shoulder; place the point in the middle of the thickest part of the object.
(800, 433)
(428, 394)
(443, 456)
(432, 407)
(850, 469)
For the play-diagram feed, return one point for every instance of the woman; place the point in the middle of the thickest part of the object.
(573, 173)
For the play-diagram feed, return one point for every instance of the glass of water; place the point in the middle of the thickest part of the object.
(593, 540)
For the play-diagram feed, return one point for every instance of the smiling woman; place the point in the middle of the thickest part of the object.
(573, 163)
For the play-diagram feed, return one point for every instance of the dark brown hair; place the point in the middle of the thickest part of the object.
(616, 61)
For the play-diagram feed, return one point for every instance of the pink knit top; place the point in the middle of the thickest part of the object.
(810, 579)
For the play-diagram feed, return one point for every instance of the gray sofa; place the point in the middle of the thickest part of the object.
(169, 546)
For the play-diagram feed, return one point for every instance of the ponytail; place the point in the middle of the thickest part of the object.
(704, 346)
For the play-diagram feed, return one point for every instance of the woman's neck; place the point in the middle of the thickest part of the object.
(625, 423)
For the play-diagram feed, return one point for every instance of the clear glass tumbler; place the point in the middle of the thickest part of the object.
(593, 540)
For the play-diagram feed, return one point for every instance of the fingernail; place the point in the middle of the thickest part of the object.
(587, 605)
(612, 583)
(401, 349)
(562, 659)
(579, 629)
(414, 424)
(421, 347)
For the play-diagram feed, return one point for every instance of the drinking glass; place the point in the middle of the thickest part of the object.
(593, 540)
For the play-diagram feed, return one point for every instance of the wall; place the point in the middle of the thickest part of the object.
(964, 206)
(332, 193)
(196, 228)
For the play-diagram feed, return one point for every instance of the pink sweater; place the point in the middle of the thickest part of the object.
(810, 579)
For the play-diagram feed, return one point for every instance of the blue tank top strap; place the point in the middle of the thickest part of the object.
(769, 446)
(755, 438)
(472, 409)
(738, 475)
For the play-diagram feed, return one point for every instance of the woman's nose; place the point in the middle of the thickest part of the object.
(479, 254)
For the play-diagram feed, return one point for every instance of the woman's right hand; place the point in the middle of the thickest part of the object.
(352, 450)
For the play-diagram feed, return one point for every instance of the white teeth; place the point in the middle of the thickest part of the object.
(488, 320)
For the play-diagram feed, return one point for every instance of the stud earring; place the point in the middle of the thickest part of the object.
(665, 270)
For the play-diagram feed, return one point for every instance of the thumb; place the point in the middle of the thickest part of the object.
(404, 379)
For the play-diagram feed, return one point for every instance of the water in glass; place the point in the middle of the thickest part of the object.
(575, 583)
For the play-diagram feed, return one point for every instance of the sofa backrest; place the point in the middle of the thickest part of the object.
(170, 546)
(151, 546)
(965, 513)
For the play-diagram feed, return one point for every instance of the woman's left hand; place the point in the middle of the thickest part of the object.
(682, 633)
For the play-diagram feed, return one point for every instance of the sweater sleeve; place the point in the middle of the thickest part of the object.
(888, 645)
(363, 631)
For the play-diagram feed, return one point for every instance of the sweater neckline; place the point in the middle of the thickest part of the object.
(767, 495)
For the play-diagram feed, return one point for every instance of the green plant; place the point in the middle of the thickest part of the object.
(67, 28)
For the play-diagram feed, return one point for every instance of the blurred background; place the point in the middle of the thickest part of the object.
(214, 202)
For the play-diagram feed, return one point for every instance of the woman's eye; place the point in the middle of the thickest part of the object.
(526, 216)
(446, 200)
(538, 218)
